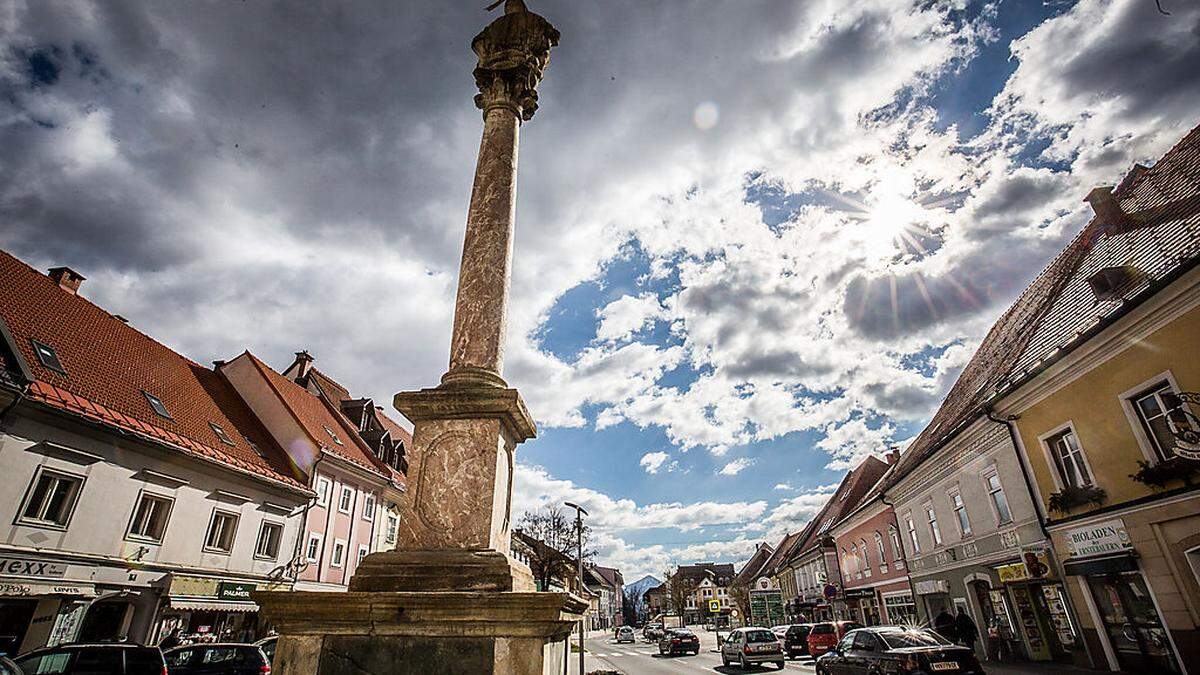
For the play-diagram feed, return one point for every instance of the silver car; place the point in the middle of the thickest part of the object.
(747, 646)
(625, 634)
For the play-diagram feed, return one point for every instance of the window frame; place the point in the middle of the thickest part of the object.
(911, 526)
(390, 534)
(262, 528)
(1051, 453)
(897, 543)
(333, 553)
(324, 493)
(212, 519)
(157, 406)
(363, 551)
(958, 506)
(143, 494)
(219, 432)
(931, 521)
(320, 539)
(348, 510)
(369, 513)
(42, 357)
(987, 475)
(1136, 423)
(23, 520)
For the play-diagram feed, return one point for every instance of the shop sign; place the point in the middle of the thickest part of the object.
(858, 593)
(1035, 565)
(235, 590)
(1098, 539)
(931, 586)
(7, 588)
(31, 567)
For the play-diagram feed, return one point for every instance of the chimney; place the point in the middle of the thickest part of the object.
(304, 362)
(893, 455)
(67, 279)
(1106, 206)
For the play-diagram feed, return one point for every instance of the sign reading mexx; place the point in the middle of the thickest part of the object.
(29, 567)
(1106, 537)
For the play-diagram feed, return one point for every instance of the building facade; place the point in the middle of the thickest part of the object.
(872, 562)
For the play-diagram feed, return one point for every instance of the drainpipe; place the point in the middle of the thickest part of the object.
(1009, 423)
(301, 539)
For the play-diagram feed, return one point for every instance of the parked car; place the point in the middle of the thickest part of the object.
(652, 631)
(896, 649)
(220, 658)
(268, 647)
(678, 640)
(779, 630)
(824, 636)
(795, 640)
(93, 658)
(625, 634)
(7, 667)
(747, 646)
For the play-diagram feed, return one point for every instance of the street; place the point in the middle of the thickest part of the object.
(603, 653)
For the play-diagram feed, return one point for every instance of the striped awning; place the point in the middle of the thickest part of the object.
(212, 605)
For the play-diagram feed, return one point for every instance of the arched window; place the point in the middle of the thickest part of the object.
(866, 557)
(897, 550)
(879, 547)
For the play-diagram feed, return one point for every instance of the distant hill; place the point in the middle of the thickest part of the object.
(641, 586)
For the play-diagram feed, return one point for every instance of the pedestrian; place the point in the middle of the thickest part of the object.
(943, 623)
(173, 639)
(997, 639)
(966, 629)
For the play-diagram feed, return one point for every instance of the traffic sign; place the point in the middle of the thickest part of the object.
(714, 605)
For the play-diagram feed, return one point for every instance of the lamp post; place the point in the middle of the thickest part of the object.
(579, 514)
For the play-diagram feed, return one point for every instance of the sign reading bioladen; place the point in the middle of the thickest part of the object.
(1106, 537)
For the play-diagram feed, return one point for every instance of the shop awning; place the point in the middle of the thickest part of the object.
(1105, 564)
(206, 605)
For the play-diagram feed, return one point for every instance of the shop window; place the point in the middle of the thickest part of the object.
(338, 556)
(369, 507)
(221, 530)
(52, 498)
(150, 517)
(960, 513)
(346, 502)
(323, 486)
(312, 552)
(998, 499)
(1151, 414)
(268, 541)
(934, 531)
(1068, 459)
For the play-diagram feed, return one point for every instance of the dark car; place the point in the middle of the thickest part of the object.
(217, 659)
(93, 659)
(268, 646)
(824, 636)
(895, 649)
(795, 640)
(677, 641)
(7, 667)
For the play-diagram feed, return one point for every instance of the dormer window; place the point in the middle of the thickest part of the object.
(48, 357)
(1111, 282)
(333, 436)
(157, 404)
(221, 435)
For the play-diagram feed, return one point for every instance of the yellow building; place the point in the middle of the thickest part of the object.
(1092, 402)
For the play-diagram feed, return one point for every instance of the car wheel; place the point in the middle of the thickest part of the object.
(724, 660)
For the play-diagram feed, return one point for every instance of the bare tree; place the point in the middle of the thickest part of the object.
(679, 589)
(554, 529)
(741, 598)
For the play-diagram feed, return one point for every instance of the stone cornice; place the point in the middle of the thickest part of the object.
(469, 402)
(513, 52)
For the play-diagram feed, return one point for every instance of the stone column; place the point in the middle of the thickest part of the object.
(451, 598)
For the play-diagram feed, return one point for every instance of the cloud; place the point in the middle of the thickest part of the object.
(736, 466)
(621, 318)
(653, 461)
(783, 486)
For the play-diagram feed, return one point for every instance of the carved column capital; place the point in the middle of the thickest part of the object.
(513, 52)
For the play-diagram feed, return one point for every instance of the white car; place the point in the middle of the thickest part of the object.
(625, 634)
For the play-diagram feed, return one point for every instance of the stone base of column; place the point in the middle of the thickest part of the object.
(394, 633)
(442, 570)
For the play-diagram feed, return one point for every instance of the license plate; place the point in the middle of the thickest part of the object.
(944, 665)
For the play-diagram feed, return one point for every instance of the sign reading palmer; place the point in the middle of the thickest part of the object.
(1106, 537)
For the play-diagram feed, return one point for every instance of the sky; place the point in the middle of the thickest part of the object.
(756, 240)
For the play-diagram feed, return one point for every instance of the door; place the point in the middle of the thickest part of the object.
(15, 616)
(1132, 624)
(105, 621)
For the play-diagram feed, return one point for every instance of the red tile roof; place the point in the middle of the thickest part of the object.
(109, 364)
(850, 493)
(1159, 234)
(315, 415)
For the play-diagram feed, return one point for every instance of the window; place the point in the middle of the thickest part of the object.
(879, 547)
(268, 541)
(150, 517)
(339, 553)
(221, 435)
(854, 560)
(369, 507)
(912, 534)
(334, 436)
(362, 553)
(52, 499)
(221, 529)
(312, 552)
(346, 503)
(254, 446)
(393, 524)
(934, 531)
(157, 405)
(999, 501)
(47, 356)
(1068, 457)
(960, 513)
(894, 535)
(323, 486)
(1151, 412)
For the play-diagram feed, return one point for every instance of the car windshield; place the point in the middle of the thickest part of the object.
(683, 633)
(760, 635)
(822, 629)
(899, 639)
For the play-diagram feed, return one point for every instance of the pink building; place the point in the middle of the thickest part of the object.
(352, 460)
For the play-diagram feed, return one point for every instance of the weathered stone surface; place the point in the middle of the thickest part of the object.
(380, 655)
(441, 570)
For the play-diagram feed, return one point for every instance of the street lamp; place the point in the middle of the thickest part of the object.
(579, 514)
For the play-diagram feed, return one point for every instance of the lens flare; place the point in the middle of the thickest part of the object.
(706, 116)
